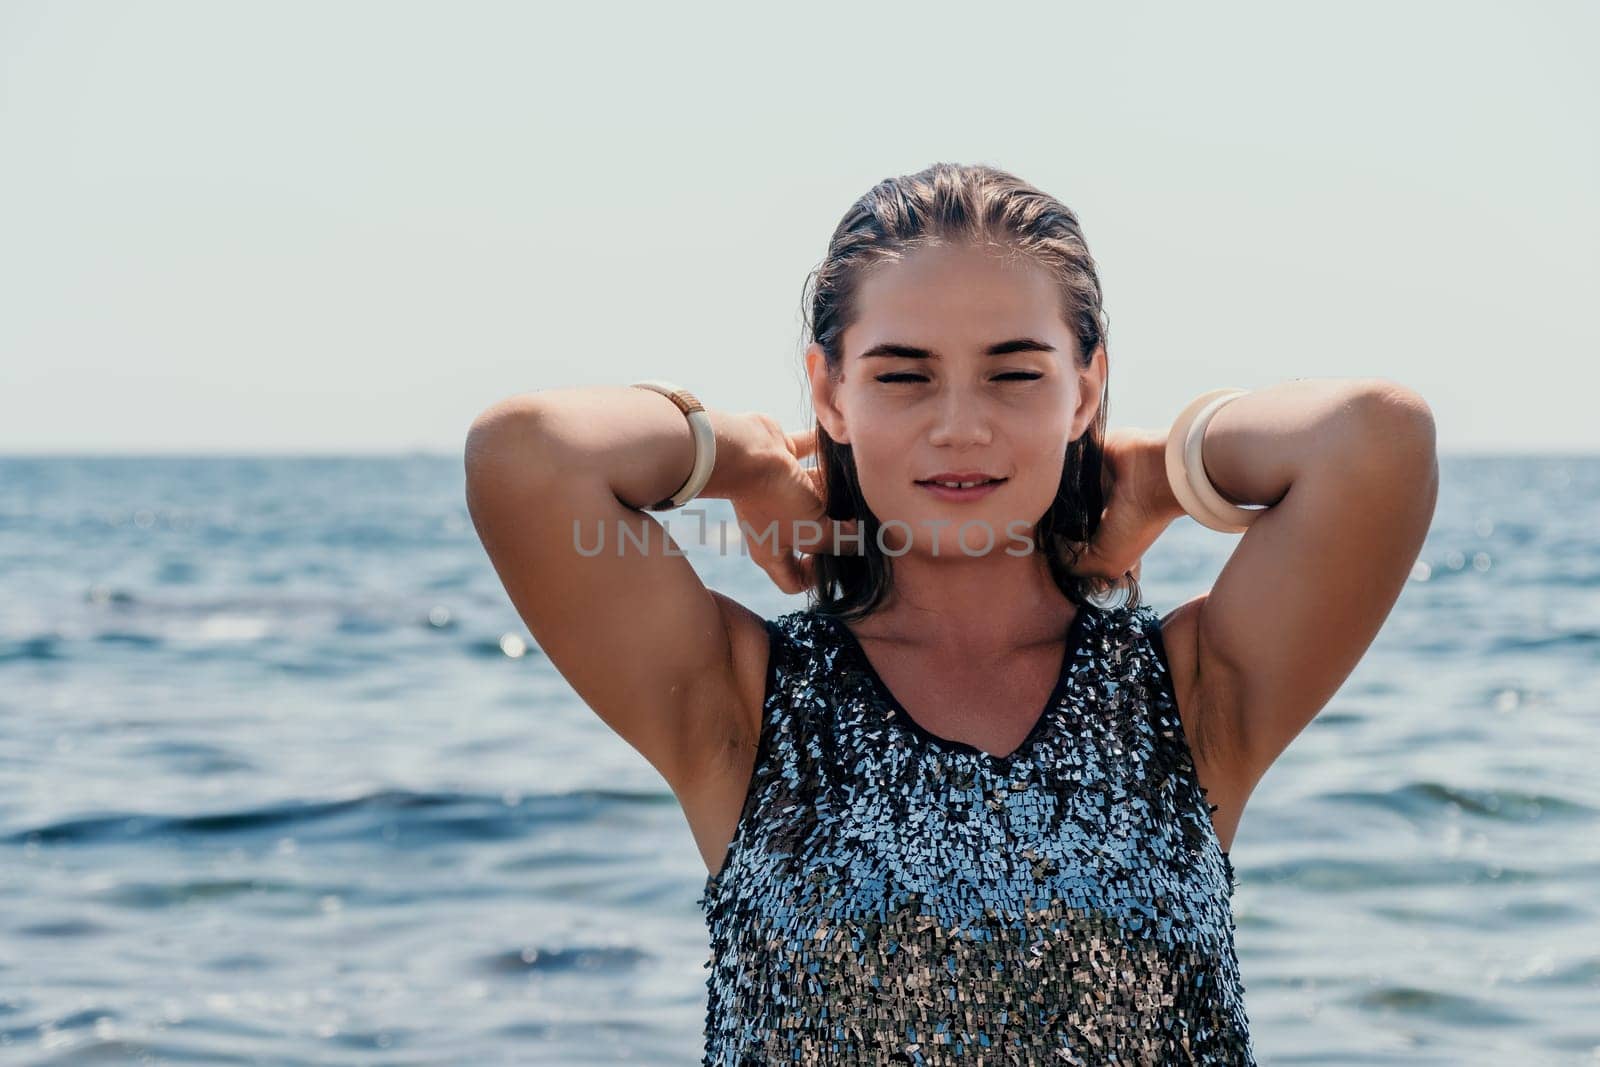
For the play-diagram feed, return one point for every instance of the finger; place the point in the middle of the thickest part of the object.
(843, 531)
(803, 442)
(1090, 564)
(781, 573)
(800, 572)
(795, 567)
(847, 540)
(837, 538)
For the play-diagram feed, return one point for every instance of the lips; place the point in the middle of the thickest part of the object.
(976, 476)
(956, 494)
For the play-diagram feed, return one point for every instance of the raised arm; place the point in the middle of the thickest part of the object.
(1351, 471)
(665, 662)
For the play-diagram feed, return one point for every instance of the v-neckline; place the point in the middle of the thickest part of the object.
(1073, 643)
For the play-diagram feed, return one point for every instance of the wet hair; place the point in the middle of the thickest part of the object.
(979, 205)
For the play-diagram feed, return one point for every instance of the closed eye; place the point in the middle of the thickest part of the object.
(904, 376)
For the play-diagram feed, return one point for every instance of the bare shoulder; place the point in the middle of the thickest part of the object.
(1207, 708)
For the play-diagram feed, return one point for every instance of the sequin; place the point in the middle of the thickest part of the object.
(893, 897)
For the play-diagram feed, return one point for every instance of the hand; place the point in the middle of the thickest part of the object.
(788, 500)
(1133, 519)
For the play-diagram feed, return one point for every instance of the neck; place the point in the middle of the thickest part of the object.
(993, 604)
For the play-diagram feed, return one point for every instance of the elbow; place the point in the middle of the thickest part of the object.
(1400, 404)
(508, 439)
(1396, 419)
(513, 415)
(1388, 446)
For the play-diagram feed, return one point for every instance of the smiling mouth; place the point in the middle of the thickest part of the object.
(964, 485)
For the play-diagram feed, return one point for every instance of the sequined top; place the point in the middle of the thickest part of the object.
(891, 896)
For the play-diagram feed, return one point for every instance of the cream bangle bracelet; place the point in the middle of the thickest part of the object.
(705, 443)
(1186, 472)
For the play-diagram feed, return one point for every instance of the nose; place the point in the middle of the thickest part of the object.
(961, 421)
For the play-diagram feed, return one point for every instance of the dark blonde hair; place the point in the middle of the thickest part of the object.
(950, 203)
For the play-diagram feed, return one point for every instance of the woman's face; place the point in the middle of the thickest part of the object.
(958, 362)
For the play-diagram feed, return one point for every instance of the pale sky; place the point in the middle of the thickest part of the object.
(350, 227)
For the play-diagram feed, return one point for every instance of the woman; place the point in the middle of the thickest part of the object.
(909, 861)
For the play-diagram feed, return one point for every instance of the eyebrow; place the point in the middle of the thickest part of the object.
(894, 350)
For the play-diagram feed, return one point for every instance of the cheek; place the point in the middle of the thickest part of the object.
(880, 467)
(1041, 477)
